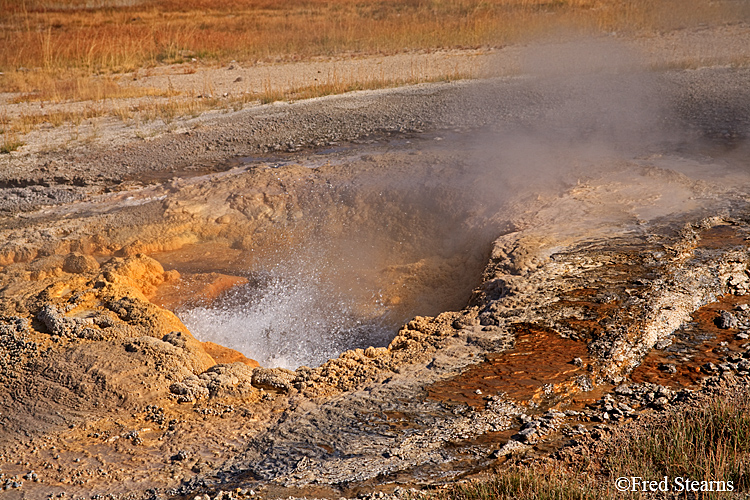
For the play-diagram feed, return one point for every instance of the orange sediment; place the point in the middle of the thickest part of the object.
(541, 359)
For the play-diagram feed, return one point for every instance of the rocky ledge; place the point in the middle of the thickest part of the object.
(618, 289)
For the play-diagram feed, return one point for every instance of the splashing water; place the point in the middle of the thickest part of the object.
(284, 319)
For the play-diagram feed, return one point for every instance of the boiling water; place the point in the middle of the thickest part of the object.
(286, 318)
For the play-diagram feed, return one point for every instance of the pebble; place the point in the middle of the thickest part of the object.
(663, 344)
(709, 368)
(668, 367)
(727, 320)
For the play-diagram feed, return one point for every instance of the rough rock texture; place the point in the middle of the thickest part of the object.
(613, 250)
(99, 344)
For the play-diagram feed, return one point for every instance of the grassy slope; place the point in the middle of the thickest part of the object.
(710, 442)
(64, 39)
(72, 50)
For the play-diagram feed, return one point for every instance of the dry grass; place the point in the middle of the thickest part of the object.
(180, 106)
(524, 484)
(72, 50)
(28, 122)
(10, 143)
(64, 35)
(339, 85)
(710, 442)
(45, 87)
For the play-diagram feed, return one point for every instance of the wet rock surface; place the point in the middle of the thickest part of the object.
(590, 302)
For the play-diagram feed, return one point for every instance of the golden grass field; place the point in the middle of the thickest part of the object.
(61, 51)
(51, 48)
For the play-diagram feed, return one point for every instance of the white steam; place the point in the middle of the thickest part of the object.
(583, 108)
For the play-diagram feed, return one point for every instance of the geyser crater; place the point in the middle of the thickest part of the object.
(337, 259)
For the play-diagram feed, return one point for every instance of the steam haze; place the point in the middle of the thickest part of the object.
(407, 230)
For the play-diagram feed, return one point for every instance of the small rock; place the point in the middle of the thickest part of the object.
(584, 383)
(668, 368)
(624, 390)
(374, 352)
(175, 338)
(726, 320)
(742, 336)
(660, 403)
(663, 344)
(79, 264)
(527, 435)
(510, 447)
(734, 357)
(709, 367)
(273, 379)
(577, 362)
(664, 391)
(180, 456)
